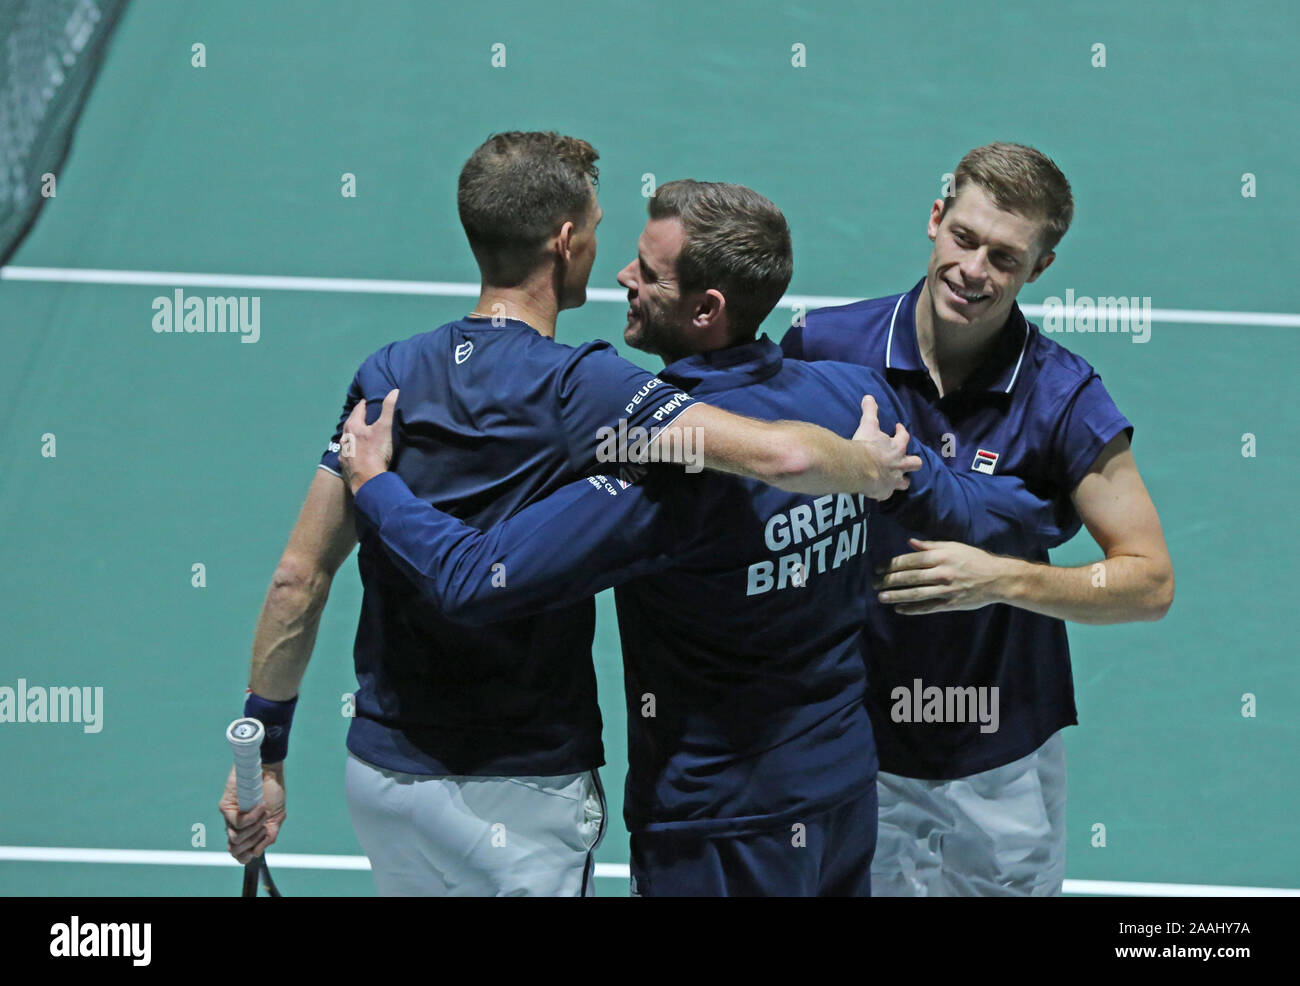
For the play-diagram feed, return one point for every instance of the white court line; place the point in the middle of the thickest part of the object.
(616, 871)
(175, 857)
(1116, 888)
(465, 289)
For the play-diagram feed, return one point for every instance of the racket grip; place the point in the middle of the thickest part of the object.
(245, 738)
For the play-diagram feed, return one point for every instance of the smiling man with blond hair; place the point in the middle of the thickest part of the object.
(974, 804)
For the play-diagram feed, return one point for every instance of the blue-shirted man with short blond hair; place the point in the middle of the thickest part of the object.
(974, 804)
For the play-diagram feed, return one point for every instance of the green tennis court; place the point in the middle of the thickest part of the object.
(177, 450)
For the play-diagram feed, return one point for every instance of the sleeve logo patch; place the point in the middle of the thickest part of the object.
(985, 462)
(464, 351)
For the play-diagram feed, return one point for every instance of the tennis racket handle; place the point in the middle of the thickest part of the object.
(245, 738)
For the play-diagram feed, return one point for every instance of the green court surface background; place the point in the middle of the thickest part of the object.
(175, 449)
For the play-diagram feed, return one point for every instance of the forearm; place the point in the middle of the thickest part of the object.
(814, 460)
(995, 513)
(583, 538)
(793, 455)
(449, 562)
(286, 633)
(798, 457)
(1120, 589)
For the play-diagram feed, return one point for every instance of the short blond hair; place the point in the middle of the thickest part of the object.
(1019, 179)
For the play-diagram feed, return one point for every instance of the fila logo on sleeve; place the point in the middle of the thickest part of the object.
(985, 462)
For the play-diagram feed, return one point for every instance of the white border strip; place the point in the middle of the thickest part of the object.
(175, 857)
(1117, 888)
(454, 289)
(615, 871)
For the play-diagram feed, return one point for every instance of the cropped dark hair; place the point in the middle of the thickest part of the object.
(737, 242)
(515, 192)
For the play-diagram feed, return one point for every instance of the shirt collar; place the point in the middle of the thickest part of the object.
(495, 322)
(725, 369)
(901, 349)
(996, 375)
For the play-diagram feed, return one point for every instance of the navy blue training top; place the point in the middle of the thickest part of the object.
(740, 605)
(490, 418)
(1034, 410)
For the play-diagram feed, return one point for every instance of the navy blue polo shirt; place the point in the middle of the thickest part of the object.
(1034, 410)
(490, 417)
(741, 606)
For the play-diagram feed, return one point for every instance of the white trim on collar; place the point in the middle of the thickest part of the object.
(1023, 346)
(889, 343)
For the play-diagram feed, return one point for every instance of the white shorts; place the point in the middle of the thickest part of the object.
(477, 836)
(1000, 832)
